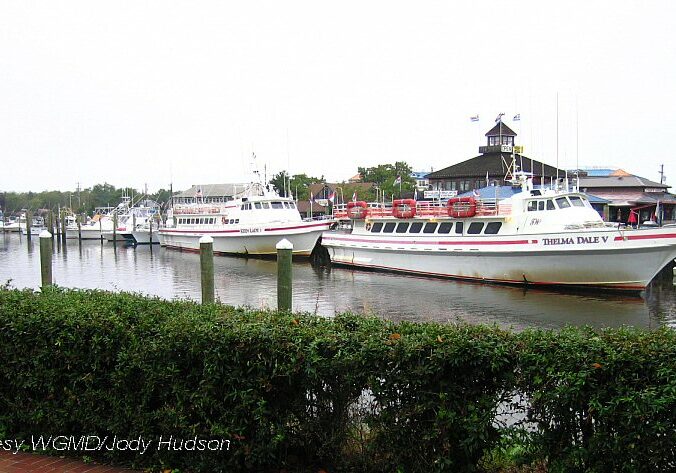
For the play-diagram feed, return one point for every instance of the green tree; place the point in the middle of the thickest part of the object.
(298, 183)
(385, 175)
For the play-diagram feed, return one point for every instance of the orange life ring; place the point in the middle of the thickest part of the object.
(403, 208)
(462, 207)
(357, 210)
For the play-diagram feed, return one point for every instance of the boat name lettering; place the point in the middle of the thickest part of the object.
(572, 241)
(535, 221)
(250, 230)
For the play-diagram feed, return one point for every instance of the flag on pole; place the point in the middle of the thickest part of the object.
(312, 198)
(415, 194)
(487, 182)
(397, 180)
(475, 118)
(332, 197)
(499, 117)
(517, 117)
(354, 196)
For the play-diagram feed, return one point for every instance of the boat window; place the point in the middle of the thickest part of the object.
(532, 205)
(550, 205)
(389, 227)
(236, 220)
(445, 227)
(377, 227)
(292, 205)
(277, 205)
(475, 228)
(562, 202)
(430, 227)
(257, 205)
(492, 228)
(402, 227)
(541, 204)
(459, 228)
(576, 201)
(242, 207)
(266, 205)
(286, 205)
(415, 227)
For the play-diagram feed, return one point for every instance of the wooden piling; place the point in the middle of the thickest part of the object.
(46, 258)
(115, 229)
(207, 268)
(29, 222)
(284, 275)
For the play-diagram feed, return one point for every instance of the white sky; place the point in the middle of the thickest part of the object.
(136, 92)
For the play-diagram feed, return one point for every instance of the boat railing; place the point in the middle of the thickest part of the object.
(197, 209)
(428, 209)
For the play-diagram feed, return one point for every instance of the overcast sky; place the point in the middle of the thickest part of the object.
(150, 92)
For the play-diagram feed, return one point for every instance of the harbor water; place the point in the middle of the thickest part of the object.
(329, 290)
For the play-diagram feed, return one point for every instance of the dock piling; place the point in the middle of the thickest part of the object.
(207, 268)
(46, 258)
(284, 275)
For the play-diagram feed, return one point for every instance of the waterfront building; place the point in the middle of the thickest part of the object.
(627, 193)
(492, 165)
(208, 193)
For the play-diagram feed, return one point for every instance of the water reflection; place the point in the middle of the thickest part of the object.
(326, 291)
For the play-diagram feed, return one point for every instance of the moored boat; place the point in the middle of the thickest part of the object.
(251, 224)
(537, 236)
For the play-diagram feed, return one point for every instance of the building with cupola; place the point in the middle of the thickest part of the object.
(493, 165)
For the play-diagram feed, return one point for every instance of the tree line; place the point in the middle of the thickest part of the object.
(82, 201)
(383, 178)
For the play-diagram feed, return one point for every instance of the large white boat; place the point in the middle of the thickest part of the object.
(537, 236)
(251, 224)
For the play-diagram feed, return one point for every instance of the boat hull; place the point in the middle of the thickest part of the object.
(142, 237)
(611, 260)
(249, 241)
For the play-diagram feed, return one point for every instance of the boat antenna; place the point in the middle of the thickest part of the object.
(557, 138)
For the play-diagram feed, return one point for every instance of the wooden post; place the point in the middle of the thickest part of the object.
(79, 230)
(151, 233)
(50, 223)
(63, 227)
(207, 268)
(284, 275)
(115, 229)
(46, 258)
(101, 228)
(29, 222)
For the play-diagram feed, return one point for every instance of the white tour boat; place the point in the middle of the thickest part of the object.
(251, 224)
(537, 236)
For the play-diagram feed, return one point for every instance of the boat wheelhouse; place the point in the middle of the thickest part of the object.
(537, 236)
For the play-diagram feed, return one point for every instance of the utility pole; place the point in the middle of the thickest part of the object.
(662, 176)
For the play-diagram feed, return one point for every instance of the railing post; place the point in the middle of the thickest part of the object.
(284, 275)
(207, 268)
(46, 258)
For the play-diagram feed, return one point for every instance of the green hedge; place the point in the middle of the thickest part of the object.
(303, 393)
